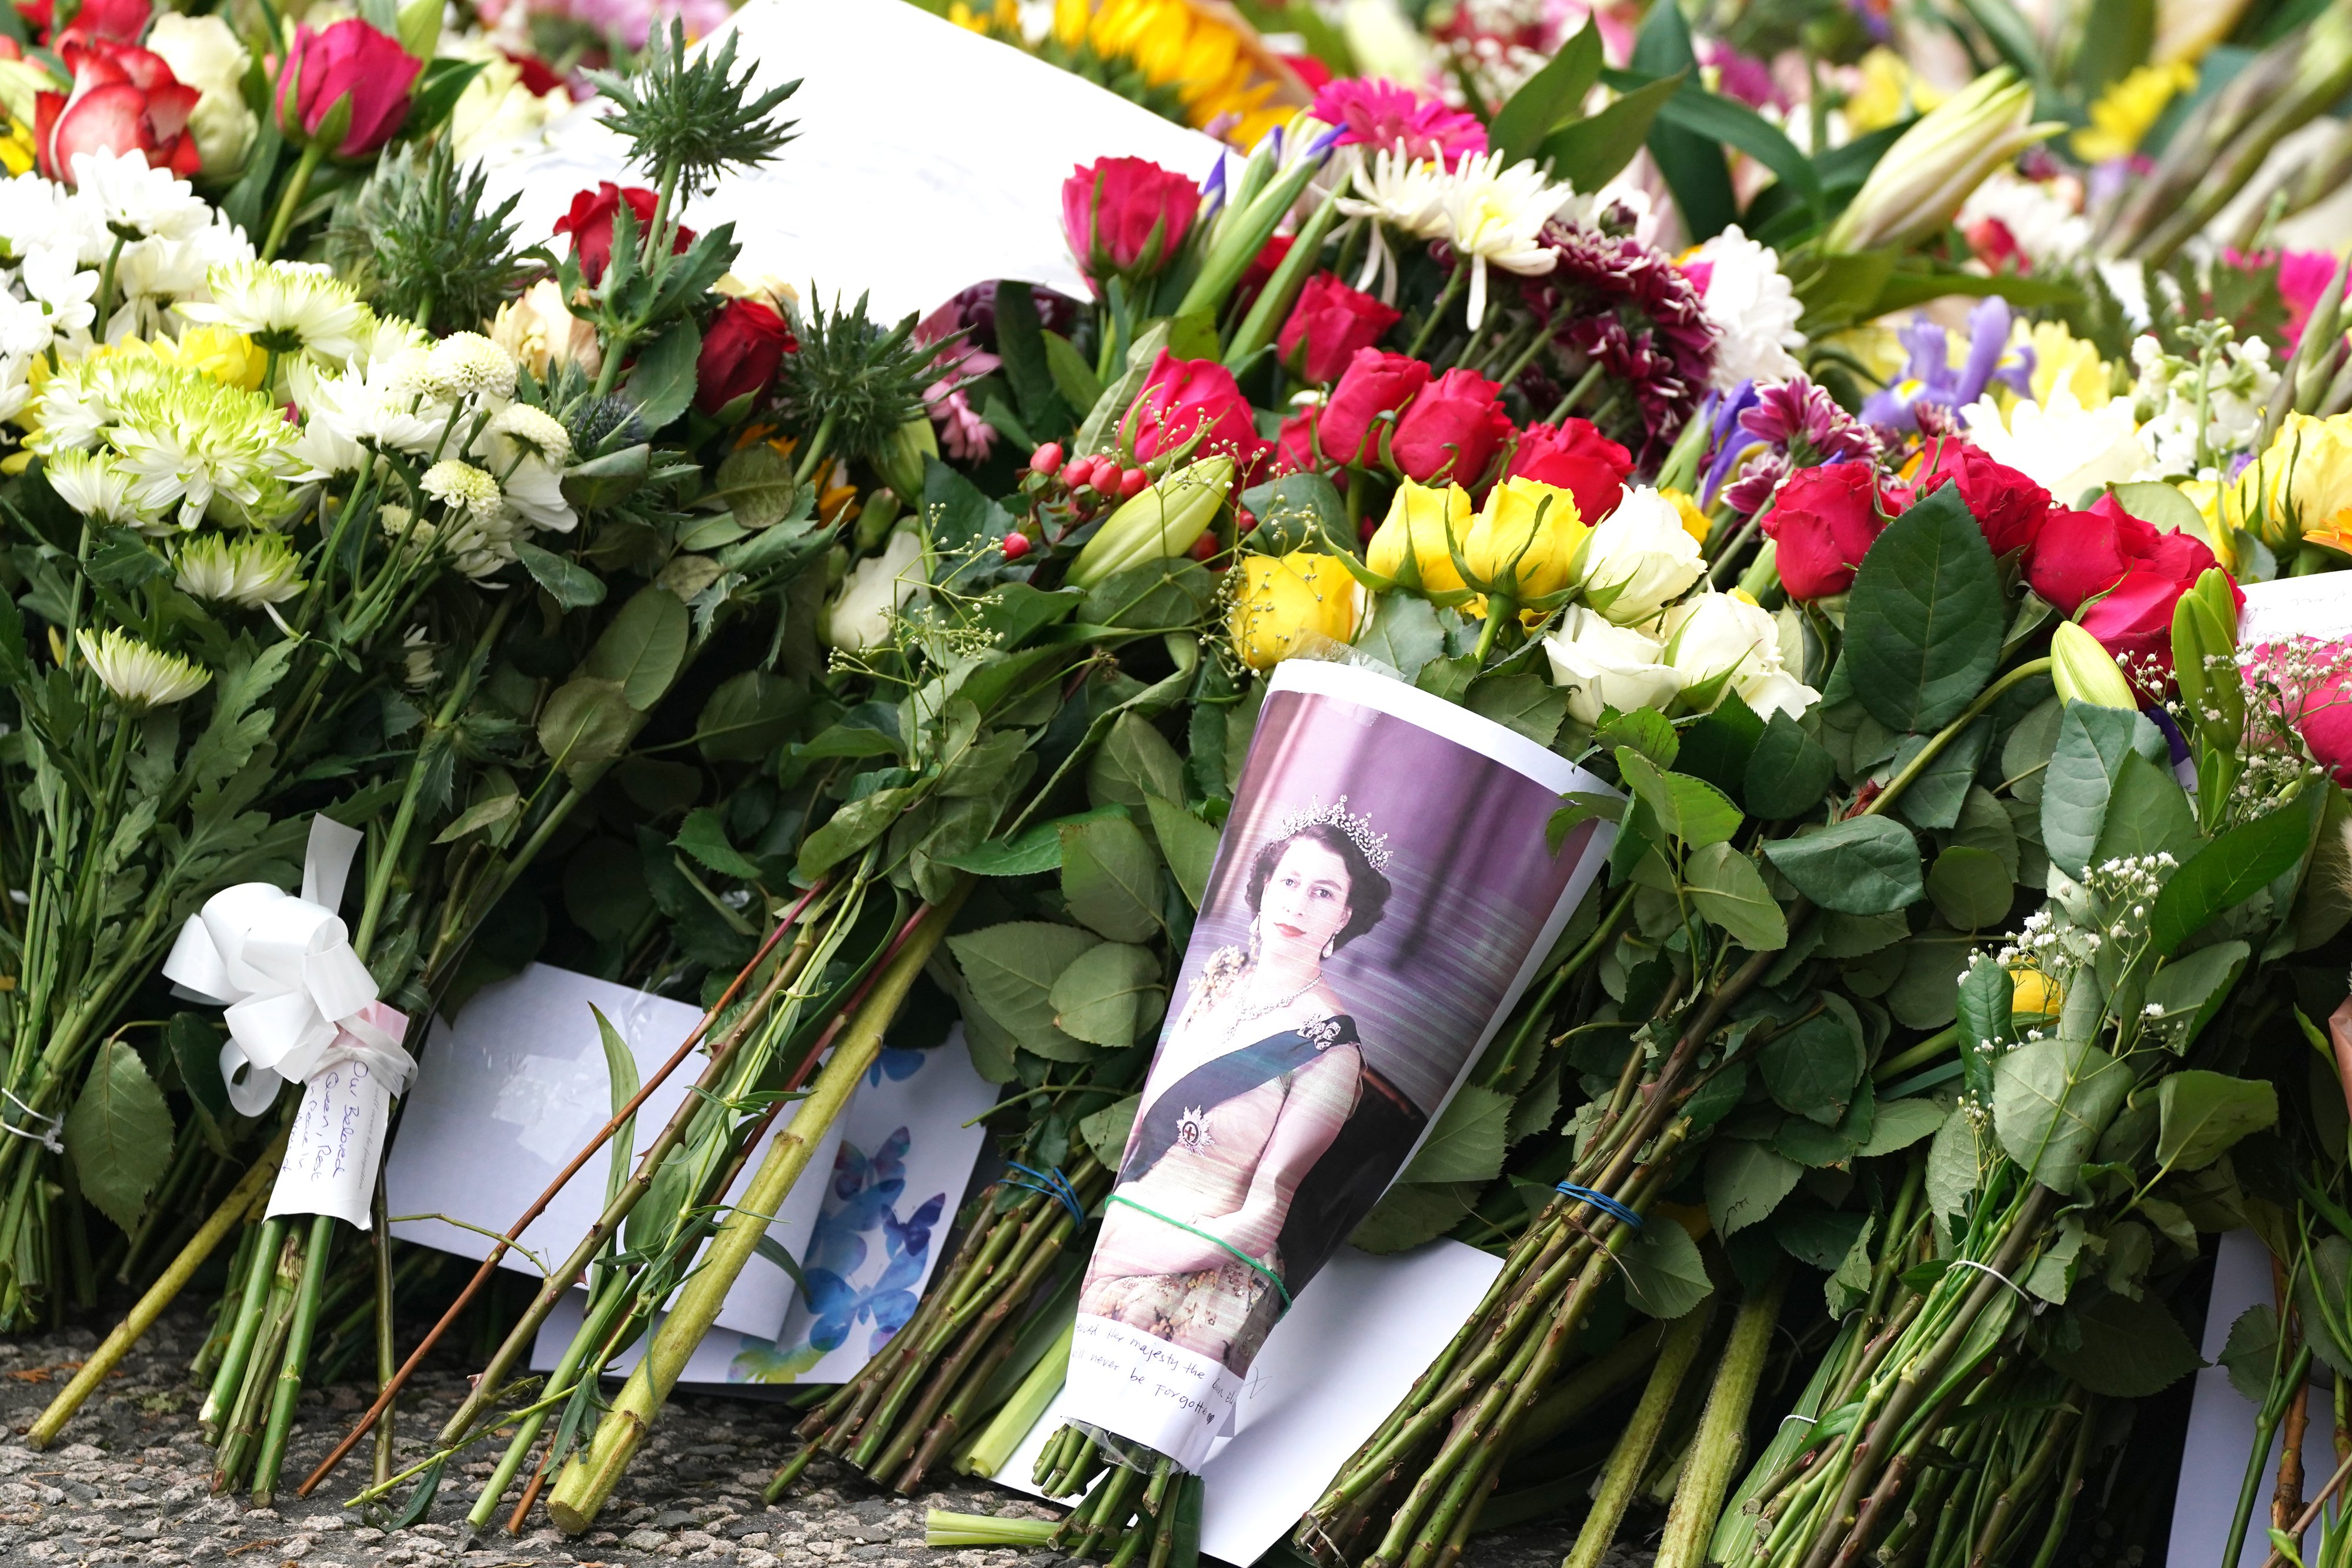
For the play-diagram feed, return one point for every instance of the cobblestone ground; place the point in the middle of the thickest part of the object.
(130, 1482)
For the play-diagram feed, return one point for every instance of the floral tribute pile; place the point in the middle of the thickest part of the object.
(1848, 436)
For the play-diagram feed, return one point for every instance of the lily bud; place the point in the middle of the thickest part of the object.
(1287, 601)
(2204, 662)
(1161, 522)
(900, 460)
(1919, 184)
(2083, 672)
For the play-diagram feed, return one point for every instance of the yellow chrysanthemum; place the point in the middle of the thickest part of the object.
(2061, 359)
(1211, 67)
(1890, 90)
(2124, 113)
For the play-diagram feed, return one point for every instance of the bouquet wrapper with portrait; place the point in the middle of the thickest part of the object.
(1383, 892)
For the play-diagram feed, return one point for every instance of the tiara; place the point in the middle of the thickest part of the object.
(1358, 829)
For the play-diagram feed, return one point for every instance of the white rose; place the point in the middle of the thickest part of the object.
(1720, 641)
(205, 54)
(1638, 559)
(1606, 666)
(875, 588)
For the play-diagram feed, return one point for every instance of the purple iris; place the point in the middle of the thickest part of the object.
(1932, 379)
(1760, 432)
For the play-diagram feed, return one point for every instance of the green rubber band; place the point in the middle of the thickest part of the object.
(1271, 1278)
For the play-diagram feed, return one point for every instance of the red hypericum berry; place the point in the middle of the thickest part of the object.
(1082, 473)
(1133, 482)
(1016, 545)
(1207, 547)
(1047, 458)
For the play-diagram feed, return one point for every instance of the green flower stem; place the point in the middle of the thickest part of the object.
(233, 1464)
(1631, 1457)
(289, 1387)
(1499, 608)
(160, 1294)
(229, 1379)
(1575, 396)
(942, 1529)
(818, 443)
(992, 1450)
(297, 185)
(594, 1326)
(2026, 1481)
(387, 1357)
(1919, 1055)
(587, 1483)
(1722, 1430)
(1454, 281)
(1949, 733)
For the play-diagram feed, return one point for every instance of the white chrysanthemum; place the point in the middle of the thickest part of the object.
(2042, 221)
(419, 661)
(53, 276)
(1752, 307)
(351, 412)
(30, 213)
(138, 200)
(2061, 445)
(465, 364)
(95, 485)
(1399, 191)
(479, 544)
(250, 571)
(534, 429)
(1495, 215)
(138, 675)
(26, 327)
(83, 397)
(285, 306)
(462, 487)
(205, 445)
(151, 274)
(384, 337)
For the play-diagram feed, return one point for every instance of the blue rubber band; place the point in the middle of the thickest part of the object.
(1603, 1202)
(1053, 1184)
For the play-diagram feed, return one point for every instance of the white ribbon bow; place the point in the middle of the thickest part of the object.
(299, 999)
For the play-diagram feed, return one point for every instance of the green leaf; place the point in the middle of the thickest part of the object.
(1811, 1069)
(1527, 703)
(749, 716)
(119, 1134)
(1695, 167)
(1935, 797)
(2092, 743)
(1072, 377)
(661, 384)
(1645, 730)
(1954, 1165)
(1105, 1132)
(1553, 94)
(2193, 985)
(2205, 1113)
(2147, 814)
(1404, 632)
(1970, 888)
(1109, 995)
(573, 586)
(1717, 747)
(704, 836)
(1591, 151)
(1133, 764)
(1466, 1141)
(195, 1048)
(644, 647)
(757, 484)
(1734, 124)
(1411, 1213)
(2252, 1352)
(1819, 1236)
(2128, 1349)
(620, 1087)
(848, 831)
(1923, 621)
(1690, 809)
(1745, 1182)
(1664, 1275)
(2230, 869)
(1189, 843)
(487, 812)
(1035, 850)
(1788, 773)
(1728, 890)
(1111, 878)
(585, 724)
(2051, 1099)
(1009, 970)
(1864, 865)
(1295, 512)
(1901, 1123)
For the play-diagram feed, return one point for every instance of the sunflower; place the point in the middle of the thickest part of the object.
(1213, 63)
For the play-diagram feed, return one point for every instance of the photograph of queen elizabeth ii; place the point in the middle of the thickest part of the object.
(1383, 892)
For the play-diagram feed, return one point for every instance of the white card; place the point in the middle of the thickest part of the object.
(506, 1094)
(906, 1145)
(2221, 1426)
(333, 1149)
(908, 184)
(1331, 1371)
(2314, 606)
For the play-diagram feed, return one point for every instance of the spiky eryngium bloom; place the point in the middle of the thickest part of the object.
(686, 120)
(419, 241)
(866, 380)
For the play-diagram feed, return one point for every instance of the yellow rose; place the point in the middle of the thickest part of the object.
(2300, 489)
(2034, 994)
(1419, 521)
(1524, 539)
(1285, 601)
(1695, 521)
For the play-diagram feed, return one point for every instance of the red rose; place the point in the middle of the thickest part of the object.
(350, 67)
(1126, 217)
(122, 21)
(1452, 430)
(1294, 443)
(2007, 504)
(2079, 554)
(538, 78)
(746, 342)
(1182, 396)
(1327, 325)
(590, 224)
(2130, 572)
(1374, 385)
(124, 99)
(1578, 459)
(1823, 521)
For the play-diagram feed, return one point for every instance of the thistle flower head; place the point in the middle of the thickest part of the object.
(136, 675)
(250, 571)
(286, 307)
(422, 235)
(690, 119)
(462, 487)
(868, 380)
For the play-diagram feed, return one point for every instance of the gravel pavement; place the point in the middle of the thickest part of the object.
(129, 1482)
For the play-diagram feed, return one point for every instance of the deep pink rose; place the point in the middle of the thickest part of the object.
(1375, 384)
(1823, 521)
(348, 62)
(1452, 430)
(2119, 576)
(1327, 325)
(1578, 459)
(1125, 217)
(2007, 504)
(1181, 397)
